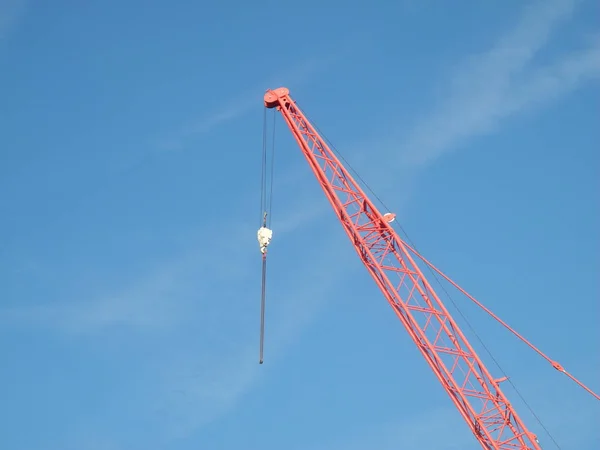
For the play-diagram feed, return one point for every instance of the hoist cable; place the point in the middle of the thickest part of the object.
(270, 207)
(262, 307)
(263, 293)
(266, 206)
(263, 168)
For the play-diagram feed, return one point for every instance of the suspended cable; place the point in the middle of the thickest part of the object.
(271, 178)
(265, 234)
(263, 167)
(554, 364)
(433, 271)
(263, 299)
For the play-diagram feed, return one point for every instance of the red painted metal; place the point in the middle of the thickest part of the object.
(474, 391)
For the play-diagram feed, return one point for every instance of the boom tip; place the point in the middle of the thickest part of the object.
(272, 96)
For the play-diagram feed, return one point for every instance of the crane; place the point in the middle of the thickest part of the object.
(392, 263)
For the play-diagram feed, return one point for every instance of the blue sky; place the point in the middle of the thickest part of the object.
(130, 141)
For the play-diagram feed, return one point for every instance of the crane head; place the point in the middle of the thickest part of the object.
(273, 95)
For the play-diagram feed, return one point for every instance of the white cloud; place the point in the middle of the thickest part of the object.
(502, 82)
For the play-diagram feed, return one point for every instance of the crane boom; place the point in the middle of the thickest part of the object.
(473, 390)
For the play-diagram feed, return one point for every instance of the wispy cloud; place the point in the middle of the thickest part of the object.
(243, 102)
(143, 305)
(192, 296)
(501, 82)
(240, 104)
(197, 391)
(162, 297)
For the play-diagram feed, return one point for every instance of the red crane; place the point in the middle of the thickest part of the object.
(391, 262)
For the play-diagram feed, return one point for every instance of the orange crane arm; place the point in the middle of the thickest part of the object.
(554, 364)
(473, 390)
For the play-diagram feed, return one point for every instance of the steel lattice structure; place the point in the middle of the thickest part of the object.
(477, 395)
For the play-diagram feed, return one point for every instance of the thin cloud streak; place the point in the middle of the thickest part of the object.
(245, 102)
(144, 305)
(501, 82)
(199, 391)
(162, 298)
(179, 294)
